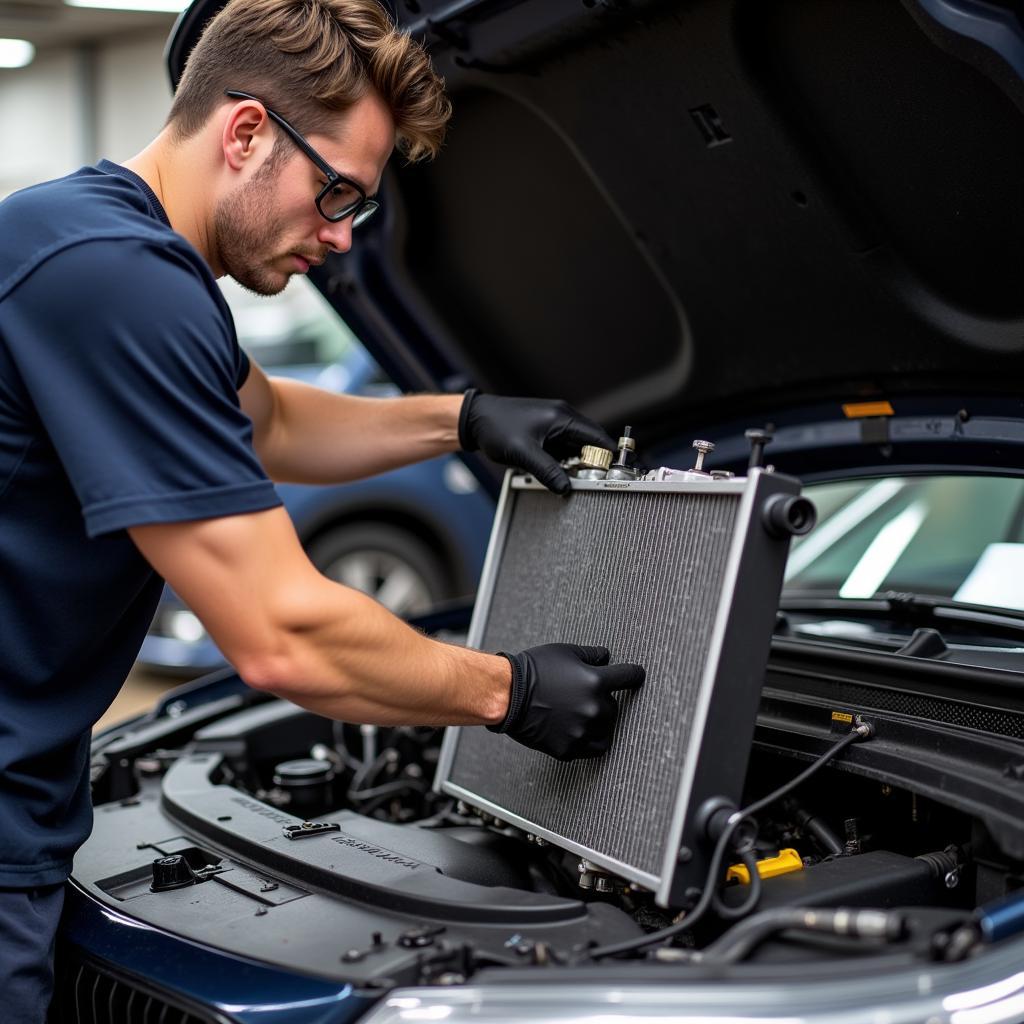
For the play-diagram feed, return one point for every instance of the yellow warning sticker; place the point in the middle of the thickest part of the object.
(841, 716)
(860, 410)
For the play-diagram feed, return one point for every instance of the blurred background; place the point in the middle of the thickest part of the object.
(85, 79)
(78, 82)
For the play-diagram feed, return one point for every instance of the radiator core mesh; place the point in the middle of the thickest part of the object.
(641, 574)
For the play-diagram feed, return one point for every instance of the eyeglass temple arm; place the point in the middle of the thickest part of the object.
(299, 141)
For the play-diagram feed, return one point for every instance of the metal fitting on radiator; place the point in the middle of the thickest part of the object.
(789, 515)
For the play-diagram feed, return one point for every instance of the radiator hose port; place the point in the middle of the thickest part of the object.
(789, 515)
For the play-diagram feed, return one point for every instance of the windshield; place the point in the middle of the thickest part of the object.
(956, 537)
(296, 327)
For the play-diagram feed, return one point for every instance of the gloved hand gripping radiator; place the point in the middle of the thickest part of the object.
(681, 575)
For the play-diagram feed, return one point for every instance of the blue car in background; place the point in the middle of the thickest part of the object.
(413, 538)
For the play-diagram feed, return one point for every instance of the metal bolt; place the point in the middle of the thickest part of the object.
(451, 978)
(605, 884)
(352, 956)
(852, 846)
(703, 448)
(758, 439)
(685, 855)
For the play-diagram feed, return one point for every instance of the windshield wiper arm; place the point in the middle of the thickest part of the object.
(910, 608)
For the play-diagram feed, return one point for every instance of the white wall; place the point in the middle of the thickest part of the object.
(41, 120)
(133, 95)
(70, 107)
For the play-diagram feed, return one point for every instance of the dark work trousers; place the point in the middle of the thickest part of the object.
(28, 924)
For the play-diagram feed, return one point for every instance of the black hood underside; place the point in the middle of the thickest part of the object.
(683, 210)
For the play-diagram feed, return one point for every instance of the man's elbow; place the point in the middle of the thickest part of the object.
(287, 674)
(278, 671)
(272, 673)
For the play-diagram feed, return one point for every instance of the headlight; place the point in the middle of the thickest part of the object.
(986, 990)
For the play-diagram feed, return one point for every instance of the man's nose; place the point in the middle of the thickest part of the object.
(338, 236)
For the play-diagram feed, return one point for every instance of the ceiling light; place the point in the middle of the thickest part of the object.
(16, 53)
(165, 6)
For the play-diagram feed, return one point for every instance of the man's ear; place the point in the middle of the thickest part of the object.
(246, 134)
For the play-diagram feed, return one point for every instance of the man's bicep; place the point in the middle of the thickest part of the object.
(243, 575)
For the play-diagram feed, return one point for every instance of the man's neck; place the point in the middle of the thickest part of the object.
(173, 170)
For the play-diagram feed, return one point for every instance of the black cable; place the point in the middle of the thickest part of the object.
(860, 732)
(752, 898)
(368, 773)
(406, 785)
(815, 826)
(687, 921)
(882, 926)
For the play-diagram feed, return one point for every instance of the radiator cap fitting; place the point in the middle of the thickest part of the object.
(593, 457)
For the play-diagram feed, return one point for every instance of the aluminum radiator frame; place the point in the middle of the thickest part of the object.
(715, 762)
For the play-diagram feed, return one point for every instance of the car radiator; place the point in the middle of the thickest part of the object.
(680, 574)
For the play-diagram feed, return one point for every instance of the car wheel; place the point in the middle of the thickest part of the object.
(390, 564)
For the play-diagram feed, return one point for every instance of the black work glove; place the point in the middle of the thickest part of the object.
(561, 701)
(516, 432)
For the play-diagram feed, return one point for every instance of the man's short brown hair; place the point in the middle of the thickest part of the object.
(311, 60)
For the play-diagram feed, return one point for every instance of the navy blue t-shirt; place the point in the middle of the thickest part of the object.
(119, 377)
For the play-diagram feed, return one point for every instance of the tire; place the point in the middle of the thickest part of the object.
(387, 562)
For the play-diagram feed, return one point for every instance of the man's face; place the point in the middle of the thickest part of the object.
(269, 228)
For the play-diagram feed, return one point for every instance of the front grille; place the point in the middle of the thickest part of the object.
(86, 993)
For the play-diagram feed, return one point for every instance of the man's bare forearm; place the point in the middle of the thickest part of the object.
(345, 656)
(290, 630)
(318, 437)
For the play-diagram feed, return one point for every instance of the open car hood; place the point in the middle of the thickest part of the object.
(675, 214)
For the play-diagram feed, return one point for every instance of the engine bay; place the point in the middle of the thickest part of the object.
(255, 826)
(840, 803)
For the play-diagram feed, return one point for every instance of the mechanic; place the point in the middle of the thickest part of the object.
(136, 436)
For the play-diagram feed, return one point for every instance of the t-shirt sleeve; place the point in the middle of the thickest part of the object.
(133, 371)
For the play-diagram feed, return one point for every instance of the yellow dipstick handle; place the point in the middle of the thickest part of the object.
(787, 861)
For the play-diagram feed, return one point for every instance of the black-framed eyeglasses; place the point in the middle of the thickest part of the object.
(341, 197)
